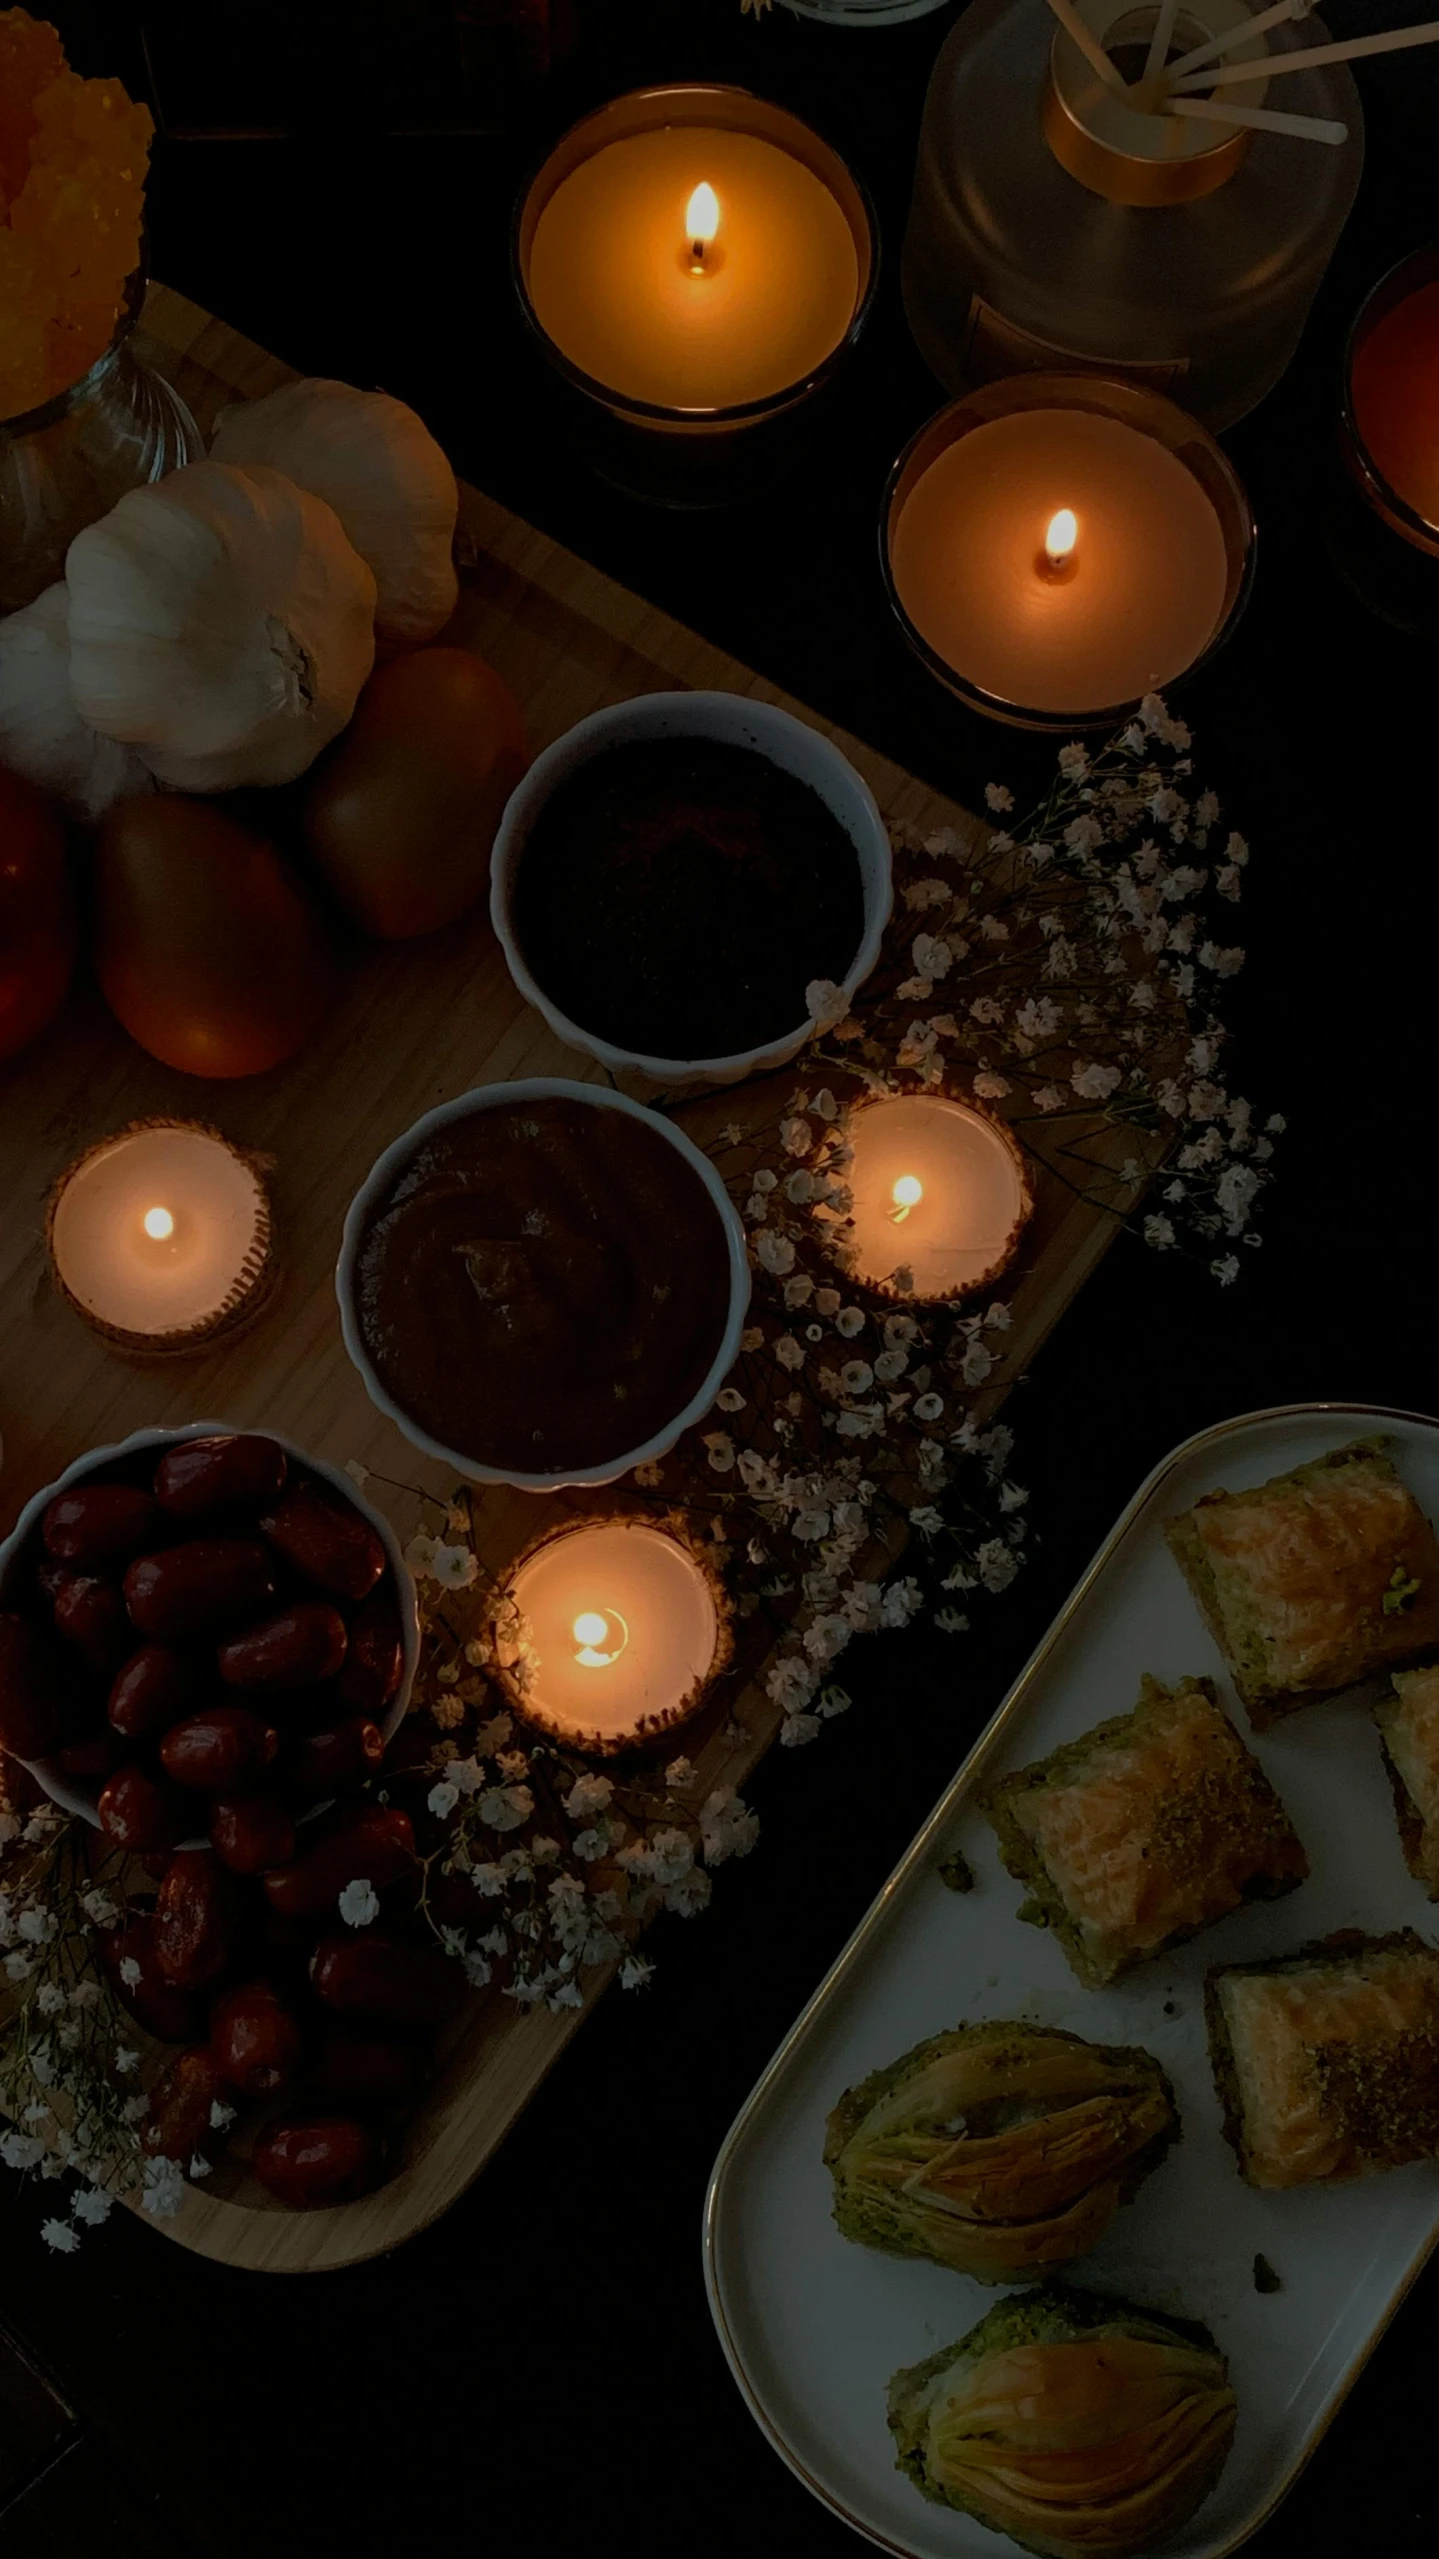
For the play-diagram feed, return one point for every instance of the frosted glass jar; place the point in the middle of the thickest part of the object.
(1053, 229)
(64, 465)
(863, 13)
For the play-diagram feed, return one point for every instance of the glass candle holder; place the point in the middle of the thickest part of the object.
(161, 1237)
(1054, 225)
(1389, 415)
(1381, 521)
(1058, 545)
(695, 265)
(610, 1632)
(64, 465)
(941, 1198)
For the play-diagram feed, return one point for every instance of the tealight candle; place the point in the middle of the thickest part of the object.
(160, 1236)
(618, 1631)
(1391, 405)
(940, 1193)
(694, 258)
(1058, 545)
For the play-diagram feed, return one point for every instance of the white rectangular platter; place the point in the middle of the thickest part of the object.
(813, 2326)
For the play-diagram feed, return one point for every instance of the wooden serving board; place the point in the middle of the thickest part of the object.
(413, 1024)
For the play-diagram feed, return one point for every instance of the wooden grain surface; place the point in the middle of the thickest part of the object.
(413, 1024)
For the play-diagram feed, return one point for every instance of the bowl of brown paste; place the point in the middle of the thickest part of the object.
(543, 1283)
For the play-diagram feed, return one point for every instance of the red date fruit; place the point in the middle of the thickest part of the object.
(98, 1524)
(368, 1973)
(376, 1843)
(375, 1659)
(139, 1811)
(90, 1617)
(37, 1684)
(337, 1756)
(217, 1750)
(202, 1479)
(293, 1649)
(196, 1919)
(325, 1540)
(178, 2123)
(255, 2038)
(308, 2161)
(91, 1756)
(198, 1589)
(155, 1687)
(353, 2069)
(252, 1832)
(174, 2016)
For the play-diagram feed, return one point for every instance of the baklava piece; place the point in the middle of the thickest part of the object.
(1315, 1580)
(1000, 2149)
(1327, 2061)
(1080, 2425)
(1144, 1831)
(1408, 1722)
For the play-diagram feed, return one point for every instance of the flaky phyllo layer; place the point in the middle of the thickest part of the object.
(999, 2149)
(1315, 1580)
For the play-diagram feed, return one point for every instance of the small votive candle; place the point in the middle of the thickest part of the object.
(940, 1193)
(1058, 545)
(1390, 424)
(160, 1236)
(619, 1628)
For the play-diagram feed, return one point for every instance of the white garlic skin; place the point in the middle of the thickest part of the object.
(42, 734)
(377, 464)
(222, 623)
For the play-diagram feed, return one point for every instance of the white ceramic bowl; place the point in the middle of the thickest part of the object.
(734, 720)
(84, 1801)
(488, 1097)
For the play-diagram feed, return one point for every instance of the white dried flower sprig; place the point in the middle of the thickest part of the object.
(1068, 970)
(67, 2064)
(564, 1863)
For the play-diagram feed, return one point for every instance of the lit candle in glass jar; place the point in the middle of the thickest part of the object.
(1058, 546)
(694, 255)
(940, 1192)
(1391, 403)
(160, 1236)
(618, 1630)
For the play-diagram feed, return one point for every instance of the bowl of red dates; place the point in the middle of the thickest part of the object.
(207, 1641)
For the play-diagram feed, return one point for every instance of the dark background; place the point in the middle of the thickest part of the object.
(540, 2369)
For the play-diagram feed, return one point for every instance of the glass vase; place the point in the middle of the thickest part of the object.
(65, 464)
(1054, 226)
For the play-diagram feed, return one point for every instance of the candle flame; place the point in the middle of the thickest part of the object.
(600, 1637)
(158, 1224)
(702, 213)
(1061, 534)
(906, 1194)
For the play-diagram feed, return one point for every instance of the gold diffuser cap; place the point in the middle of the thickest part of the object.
(1128, 152)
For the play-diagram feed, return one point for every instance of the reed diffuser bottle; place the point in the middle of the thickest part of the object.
(1079, 203)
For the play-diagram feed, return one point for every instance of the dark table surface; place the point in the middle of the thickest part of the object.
(540, 2369)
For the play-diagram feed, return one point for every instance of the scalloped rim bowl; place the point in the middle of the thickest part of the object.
(72, 1799)
(733, 719)
(489, 1097)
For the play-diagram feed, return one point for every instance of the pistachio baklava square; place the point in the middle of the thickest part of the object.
(1315, 1580)
(1327, 2061)
(1144, 1830)
(1408, 1721)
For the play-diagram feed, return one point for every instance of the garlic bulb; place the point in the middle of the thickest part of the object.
(42, 734)
(379, 467)
(221, 622)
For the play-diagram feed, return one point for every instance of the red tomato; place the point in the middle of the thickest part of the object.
(38, 932)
